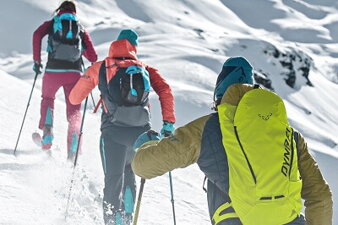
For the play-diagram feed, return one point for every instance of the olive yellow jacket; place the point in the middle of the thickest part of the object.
(184, 148)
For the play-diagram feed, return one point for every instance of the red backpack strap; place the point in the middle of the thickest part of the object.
(98, 105)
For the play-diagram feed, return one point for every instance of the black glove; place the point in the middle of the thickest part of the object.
(37, 67)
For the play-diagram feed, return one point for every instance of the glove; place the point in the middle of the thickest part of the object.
(167, 129)
(150, 135)
(37, 67)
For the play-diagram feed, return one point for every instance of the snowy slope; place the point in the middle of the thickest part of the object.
(187, 41)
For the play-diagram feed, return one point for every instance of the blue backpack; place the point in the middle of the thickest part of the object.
(65, 38)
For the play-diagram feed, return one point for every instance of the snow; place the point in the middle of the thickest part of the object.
(188, 41)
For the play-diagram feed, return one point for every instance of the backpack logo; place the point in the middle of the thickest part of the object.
(266, 117)
(285, 169)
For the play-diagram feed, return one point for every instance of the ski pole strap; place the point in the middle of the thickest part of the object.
(222, 213)
(98, 105)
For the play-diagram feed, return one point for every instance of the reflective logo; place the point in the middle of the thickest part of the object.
(265, 117)
(287, 153)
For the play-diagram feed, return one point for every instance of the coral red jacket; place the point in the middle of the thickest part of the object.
(44, 29)
(123, 49)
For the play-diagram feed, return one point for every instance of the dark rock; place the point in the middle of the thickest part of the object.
(262, 78)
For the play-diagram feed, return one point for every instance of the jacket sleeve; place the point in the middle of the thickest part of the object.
(163, 90)
(315, 190)
(153, 159)
(89, 51)
(85, 84)
(38, 34)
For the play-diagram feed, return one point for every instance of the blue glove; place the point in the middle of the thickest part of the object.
(37, 67)
(150, 135)
(167, 129)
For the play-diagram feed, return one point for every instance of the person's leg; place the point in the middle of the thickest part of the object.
(129, 188)
(220, 209)
(122, 138)
(50, 85)
(73, 116)
(129, 194)
(113, 157)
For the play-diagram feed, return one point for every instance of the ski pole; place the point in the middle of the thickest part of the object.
(138, 205)
(171, 190)
(91, 95)
(84, 69)
(24, 117)
(80, 135)
(172, 197)
(76, 156)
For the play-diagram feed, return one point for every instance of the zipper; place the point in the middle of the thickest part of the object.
(247, 160)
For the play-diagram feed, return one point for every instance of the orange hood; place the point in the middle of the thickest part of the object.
(122, 48)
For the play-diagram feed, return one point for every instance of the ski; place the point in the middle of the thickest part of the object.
(37, 139)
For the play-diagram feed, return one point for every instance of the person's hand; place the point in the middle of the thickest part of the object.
(167, 129)
(150, 135)
(37, 67)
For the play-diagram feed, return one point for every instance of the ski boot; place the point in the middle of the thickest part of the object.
(47, 138)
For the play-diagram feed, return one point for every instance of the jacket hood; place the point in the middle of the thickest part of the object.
(122, 49)
(234, 70)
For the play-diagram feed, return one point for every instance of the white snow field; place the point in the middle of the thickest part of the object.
(292, 44)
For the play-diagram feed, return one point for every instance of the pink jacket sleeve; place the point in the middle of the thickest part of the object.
(38, 34)
(89, 52)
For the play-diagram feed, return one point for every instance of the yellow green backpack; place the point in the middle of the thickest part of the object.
(264, 180)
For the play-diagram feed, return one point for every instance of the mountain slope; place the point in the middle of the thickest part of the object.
(293, 47)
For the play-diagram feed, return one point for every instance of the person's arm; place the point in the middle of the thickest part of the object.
(182, 149)
(85, 84)
(89, 51)
(38, 34)
(315, 190)
(163, 90)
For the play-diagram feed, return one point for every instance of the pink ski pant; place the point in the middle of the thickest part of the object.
(51, 83)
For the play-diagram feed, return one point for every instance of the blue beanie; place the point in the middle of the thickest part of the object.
(235, 70)
(130, 35)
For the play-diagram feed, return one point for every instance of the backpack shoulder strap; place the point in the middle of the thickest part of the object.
(111, 67)
(295, 136)
(50, 28)
(256, 86)
(102, 76)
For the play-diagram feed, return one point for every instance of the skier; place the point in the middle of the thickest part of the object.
(124, 82)
(210, 142)
(67, 42)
